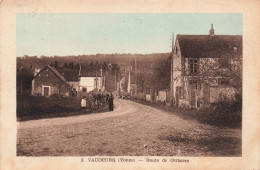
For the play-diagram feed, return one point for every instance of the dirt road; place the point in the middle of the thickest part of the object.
(132, 129)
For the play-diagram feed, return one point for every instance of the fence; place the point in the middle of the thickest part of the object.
(153, 95)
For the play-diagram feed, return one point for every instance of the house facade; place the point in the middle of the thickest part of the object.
(90, 79)
(205, 68)
(48, 82)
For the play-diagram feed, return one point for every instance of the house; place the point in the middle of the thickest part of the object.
(48, 82)
(68, 82)
(72, 78)
(205, 68)
(90, 79)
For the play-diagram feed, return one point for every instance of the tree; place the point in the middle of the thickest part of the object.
(24, 81)
(161, 74)
(77, 66)
(56, 64)
(65, 65)
(91, 64)
(228, 66)
(104, 66)
(71, 65)
(115, 68)
(97, 65)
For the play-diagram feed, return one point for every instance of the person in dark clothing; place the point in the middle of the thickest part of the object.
(111, 102)
(107, 97)
(98, 100)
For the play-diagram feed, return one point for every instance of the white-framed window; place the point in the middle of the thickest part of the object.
(46, 91)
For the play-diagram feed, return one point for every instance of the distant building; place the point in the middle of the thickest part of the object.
(48, 82)
(203, 68)
(90, 79)
(67, 82)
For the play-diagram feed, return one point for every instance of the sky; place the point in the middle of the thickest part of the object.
(62, 34)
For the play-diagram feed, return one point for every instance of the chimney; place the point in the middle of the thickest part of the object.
(211, 31)
(36, 71)
(172, 42)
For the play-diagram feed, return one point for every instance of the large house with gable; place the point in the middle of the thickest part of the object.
(204, 68)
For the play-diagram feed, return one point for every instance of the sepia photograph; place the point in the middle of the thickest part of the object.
(129, 84)
(121, 84)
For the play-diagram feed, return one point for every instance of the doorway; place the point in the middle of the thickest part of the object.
(193, 98)
(46, 91)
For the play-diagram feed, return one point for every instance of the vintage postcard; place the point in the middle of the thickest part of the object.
(163, 86)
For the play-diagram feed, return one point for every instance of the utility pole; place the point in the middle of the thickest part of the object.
(96, 78)
(115, 80)
(171, 88)
(129, 83)
(135, 65)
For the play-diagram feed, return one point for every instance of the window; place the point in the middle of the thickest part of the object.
(223, 81)
(193, 66)
(193, 83)
(84, 89)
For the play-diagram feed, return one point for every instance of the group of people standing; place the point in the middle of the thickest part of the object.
(98, 100)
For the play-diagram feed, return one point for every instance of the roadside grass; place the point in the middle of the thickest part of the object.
(37, 107)
(225, 113)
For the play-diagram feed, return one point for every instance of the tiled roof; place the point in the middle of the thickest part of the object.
(206, 46)
(69, 74)
(57, 73)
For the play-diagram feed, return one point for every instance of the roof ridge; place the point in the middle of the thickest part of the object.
(57, 73)
(202, 46)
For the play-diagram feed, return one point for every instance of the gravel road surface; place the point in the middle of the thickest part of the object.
(132, 129)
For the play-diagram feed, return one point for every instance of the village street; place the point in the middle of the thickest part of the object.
(132, 129)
